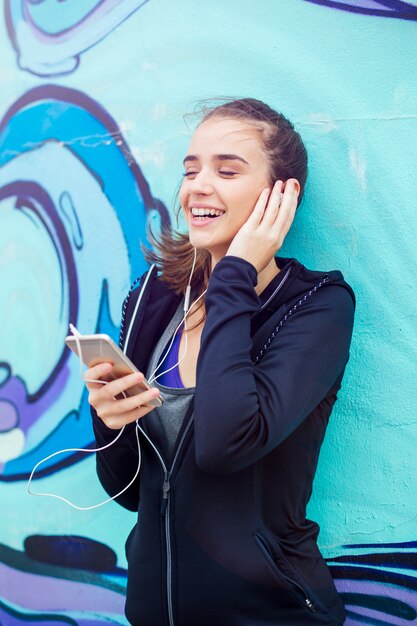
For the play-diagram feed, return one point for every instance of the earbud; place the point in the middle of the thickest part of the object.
(188, 289)
(187, 298)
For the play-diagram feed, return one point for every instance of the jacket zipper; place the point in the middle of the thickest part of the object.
(166, 486)
(165, 512)
(290, 582)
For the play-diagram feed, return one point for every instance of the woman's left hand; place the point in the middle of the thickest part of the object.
(263, 234)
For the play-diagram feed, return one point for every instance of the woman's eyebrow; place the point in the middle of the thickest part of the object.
(216, 157)
(190, 157)
(229, 157)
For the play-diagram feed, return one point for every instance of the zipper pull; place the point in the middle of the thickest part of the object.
(310, 605)
(165, 491)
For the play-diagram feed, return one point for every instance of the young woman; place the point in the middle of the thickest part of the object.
(228, 460)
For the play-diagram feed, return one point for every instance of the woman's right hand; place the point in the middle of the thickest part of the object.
(113, 412)
(262, 235)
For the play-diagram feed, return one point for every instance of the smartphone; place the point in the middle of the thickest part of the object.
(101, 348)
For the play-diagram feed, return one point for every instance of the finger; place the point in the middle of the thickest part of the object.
(292, 184)
(117, 422)
(117, 386)
(287, 209)
(256, 216)
(96, 373)
(273, 206)
(119, 407)
(98, 370)
(288, 196)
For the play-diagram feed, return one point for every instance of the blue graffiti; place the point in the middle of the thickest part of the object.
(76, 226)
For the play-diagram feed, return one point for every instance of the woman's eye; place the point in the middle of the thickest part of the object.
(226, 173)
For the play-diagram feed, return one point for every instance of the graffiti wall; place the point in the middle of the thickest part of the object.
(92, 137)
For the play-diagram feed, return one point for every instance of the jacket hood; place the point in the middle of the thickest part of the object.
(296, 279)
(293, 282)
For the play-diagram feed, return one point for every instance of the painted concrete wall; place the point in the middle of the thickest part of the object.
(91, 143)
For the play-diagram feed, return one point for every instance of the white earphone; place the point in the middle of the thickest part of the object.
(152, 378)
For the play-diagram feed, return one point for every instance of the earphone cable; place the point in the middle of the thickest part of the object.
(77, 335)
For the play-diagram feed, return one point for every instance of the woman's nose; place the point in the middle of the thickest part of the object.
(201, 183)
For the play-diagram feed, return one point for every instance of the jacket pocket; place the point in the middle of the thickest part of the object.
(294, 588)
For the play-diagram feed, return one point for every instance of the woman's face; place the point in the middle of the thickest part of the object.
(225, 172)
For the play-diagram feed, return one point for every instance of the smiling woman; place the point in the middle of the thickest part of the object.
(225, 172)
(240, 148)
(251, 373)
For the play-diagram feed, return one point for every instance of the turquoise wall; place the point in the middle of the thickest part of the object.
(91, 142)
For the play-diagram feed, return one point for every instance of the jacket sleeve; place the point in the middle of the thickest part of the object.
(117, 465)
(243, 411)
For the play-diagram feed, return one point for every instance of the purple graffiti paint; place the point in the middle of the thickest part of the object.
(27, 411)
(386, 8)
(391, 604)
(9, 417)
(63, 595)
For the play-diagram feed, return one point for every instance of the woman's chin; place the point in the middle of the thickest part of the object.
(216, 249)
(200, 240)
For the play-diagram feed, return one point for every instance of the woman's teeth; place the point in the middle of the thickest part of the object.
(202, 213)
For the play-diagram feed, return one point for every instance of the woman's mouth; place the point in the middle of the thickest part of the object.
(204, 215)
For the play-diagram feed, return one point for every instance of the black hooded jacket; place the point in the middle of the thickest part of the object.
(222, 537)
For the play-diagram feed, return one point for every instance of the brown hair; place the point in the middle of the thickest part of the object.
(173, 253)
